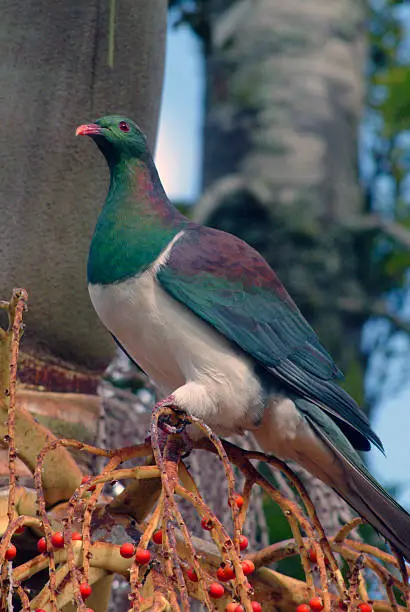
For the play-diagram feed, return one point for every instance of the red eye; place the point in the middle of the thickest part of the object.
(124, 127)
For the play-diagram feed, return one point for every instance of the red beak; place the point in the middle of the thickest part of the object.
(88, 129)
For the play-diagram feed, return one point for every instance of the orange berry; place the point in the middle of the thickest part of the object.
(57, 539)
(76, 535)
(157, 537)
(85, 590)
(243, 542)
(42, 545)
(11, 552)
(303, 608)
(127, 550)
(192, 575)
(231, 607)
(142, 556)
(238, 500)
(316, 604)
(216, 590)
(225, 573)
(248, 567)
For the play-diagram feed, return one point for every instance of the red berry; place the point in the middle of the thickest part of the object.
(84, 481)
(243, 542)
(127, 550)
(231, 607)
(20, 530)
(313, 557)
(157, 537)
(42, 545)
(365, 607)
(239, 608)
(207, 523)
(225, 573)
(256, 606)
(39, 610)
(238, 500)
(57, 539)
(142, 556)
(248, 567)
(85, 590)
(89, 610)
(316, 604)
(216, 590)
(303, 608)
(11, 552)
(76, 535)
(192, 575)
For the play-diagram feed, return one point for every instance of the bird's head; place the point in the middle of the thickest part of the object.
(117, 137)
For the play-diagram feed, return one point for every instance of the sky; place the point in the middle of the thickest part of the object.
(178, 158)
(179, 141)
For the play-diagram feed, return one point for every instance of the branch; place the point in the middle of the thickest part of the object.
(372, 222)
(372, 308)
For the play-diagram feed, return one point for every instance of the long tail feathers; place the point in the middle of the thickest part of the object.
(364, 494)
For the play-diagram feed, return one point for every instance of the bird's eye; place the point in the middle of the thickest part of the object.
(124, 127)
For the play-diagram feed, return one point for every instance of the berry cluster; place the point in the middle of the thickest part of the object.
(316, 605)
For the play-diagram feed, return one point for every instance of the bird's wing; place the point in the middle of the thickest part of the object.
(229, 285)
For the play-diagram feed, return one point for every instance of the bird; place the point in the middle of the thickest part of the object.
(208, 320)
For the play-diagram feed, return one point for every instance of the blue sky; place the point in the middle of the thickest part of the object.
(178, 159)
(180, 130)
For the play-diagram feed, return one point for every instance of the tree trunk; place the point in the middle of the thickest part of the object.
(55, 75)
(284, 99)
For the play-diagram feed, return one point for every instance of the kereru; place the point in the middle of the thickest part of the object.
(204, 315)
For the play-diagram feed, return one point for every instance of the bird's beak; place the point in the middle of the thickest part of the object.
(88, 129)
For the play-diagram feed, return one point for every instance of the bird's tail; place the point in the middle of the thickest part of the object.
(364, 494)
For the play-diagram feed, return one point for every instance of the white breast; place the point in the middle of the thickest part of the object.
(181, 353)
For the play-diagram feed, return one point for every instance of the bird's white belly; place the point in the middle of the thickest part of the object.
(181, 353)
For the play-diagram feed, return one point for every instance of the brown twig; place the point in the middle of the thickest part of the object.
(17, 305)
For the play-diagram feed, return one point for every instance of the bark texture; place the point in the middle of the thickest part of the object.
(54, 75)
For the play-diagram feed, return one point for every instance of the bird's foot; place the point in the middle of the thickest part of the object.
(163, 436)
(175, 422)
(171, 424)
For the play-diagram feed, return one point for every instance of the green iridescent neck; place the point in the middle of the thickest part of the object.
(136, 224)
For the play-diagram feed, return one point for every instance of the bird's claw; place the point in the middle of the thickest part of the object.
(168, 425)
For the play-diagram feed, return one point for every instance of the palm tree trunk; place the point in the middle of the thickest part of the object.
(56, 75)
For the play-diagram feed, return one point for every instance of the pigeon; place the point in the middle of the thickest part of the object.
(208, 320)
